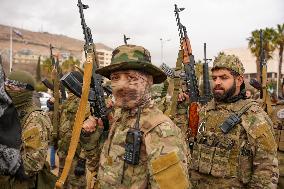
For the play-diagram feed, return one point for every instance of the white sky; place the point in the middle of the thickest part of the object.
(222, 24)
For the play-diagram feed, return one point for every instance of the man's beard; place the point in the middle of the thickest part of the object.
(227, 93)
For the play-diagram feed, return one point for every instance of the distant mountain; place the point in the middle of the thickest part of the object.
(37, 43)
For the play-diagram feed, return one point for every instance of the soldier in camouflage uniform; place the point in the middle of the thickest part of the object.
(35, 127)
(228, 155)
(163, 155)
(67, 118)
(278, 120)
(160, 97)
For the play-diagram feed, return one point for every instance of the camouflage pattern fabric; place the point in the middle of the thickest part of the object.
(35, 128)
(231, 62)
(67, 118)
(181, 117)
(278, 121)
(161, 139)
(245, 157)
(132, 57)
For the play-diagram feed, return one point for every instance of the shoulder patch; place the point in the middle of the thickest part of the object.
(168, 172)
(31, 138)
(264, 136)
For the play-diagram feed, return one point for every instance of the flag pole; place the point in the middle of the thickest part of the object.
(11, 49)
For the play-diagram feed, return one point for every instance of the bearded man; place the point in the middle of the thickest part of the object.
(235, 147)
(144, 148)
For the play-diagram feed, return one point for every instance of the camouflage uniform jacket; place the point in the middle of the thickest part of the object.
(35, 128)
(163, 154)
(245, 157)
(67, 118)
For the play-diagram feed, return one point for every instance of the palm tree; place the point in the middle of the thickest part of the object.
(279, 42)
(268, 46)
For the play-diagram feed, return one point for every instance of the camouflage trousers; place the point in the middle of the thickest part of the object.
(281, 170)
(72, 181)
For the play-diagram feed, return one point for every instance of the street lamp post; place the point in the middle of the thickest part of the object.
(162, 48)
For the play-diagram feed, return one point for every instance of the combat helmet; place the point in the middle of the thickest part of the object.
(21, 79)
(231, 62)
(132, 57)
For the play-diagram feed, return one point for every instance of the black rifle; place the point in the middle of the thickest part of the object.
(98, 107)
(73, 81)
(262, 63)
(207, 95)
(190, 77)
(188, 59)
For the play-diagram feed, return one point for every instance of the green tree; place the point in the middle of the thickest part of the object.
(69, 64)
(46, 68)
(268, 46)
(278, 40)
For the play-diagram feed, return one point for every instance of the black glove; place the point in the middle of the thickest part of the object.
(80, 168)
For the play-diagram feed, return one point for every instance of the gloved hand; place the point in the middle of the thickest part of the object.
(80, 168)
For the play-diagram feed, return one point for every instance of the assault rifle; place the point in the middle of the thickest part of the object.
(207, 95)
(98, 107)
(190, 78)
(262, 85)
(55, 117)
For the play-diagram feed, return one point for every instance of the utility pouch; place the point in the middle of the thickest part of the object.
(245, 163)
(206, 157)
(195, 157)
(220, 163)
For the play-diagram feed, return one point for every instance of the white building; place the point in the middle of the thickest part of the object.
(103, 53)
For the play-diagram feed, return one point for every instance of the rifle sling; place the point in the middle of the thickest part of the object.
(80, 116)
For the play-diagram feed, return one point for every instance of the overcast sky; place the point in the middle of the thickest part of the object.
(222, 24)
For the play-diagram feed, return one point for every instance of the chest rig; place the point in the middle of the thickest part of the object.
(114, 153)
(217, 147)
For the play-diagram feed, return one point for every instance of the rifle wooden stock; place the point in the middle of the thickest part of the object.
(80, 116)
(187, 51)
(193, 118)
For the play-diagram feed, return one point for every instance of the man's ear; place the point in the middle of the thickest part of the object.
(150, 79)
(239, 81)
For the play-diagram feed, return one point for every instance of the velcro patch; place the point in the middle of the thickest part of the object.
(265, 137)
(168, 172)
(31, 138)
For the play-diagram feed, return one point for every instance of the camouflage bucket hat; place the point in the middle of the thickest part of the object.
(132, 57)
(231, 62)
